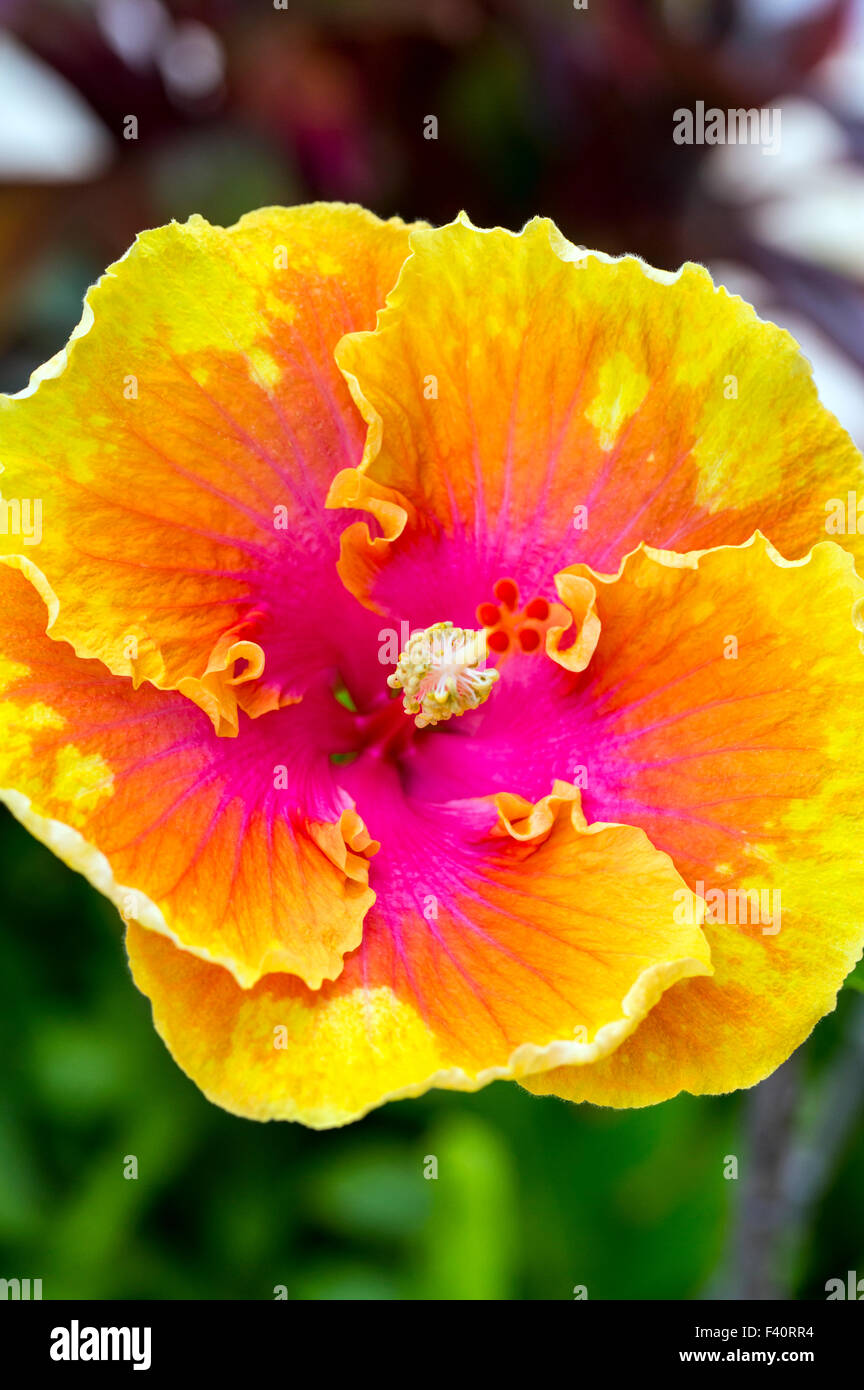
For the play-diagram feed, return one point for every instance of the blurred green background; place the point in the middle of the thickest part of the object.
(540, 110)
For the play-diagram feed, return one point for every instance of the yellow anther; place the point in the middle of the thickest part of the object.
(441, 672)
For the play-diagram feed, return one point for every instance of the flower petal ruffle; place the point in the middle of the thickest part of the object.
(531, 941)
(530, 406)
(181, 448)
(723, 717)
(259, 867)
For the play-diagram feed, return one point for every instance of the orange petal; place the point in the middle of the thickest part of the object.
(530, 405)
(552, 942)
(180, 449)
(202, 839)
(722, 715)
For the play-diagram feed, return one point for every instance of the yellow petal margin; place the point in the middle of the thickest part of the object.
(518, 387)
(553, 949)
(171, 463)
(726, 695)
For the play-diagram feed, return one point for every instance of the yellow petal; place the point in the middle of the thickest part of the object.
(530, 406)
(722, 714)
(180, 449)
(554, 944)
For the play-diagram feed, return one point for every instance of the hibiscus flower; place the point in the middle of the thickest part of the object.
(432, 643)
